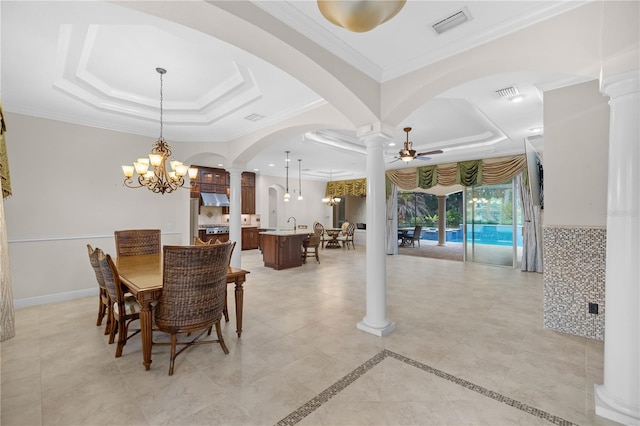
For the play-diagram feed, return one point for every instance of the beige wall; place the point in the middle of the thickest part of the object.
(576, 141)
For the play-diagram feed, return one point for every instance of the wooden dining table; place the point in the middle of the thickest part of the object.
(142, 276)
(334, 233)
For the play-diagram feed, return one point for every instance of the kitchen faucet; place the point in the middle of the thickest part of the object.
(294, 223)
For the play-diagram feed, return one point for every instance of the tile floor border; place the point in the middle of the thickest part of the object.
(333, 390)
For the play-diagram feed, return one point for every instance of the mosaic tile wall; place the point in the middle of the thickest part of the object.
(574, 275)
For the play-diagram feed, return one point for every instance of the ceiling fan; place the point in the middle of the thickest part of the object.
(407, 153)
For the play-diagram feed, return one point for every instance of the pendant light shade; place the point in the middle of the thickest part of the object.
(359, 16)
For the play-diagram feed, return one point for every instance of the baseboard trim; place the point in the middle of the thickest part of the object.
(54, 298)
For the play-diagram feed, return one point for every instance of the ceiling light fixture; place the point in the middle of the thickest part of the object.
(407, 154)
(331, 200)
(359, 16)
(299, 180)
(287, 196)
(158, 179)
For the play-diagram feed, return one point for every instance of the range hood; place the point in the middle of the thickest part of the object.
(214, 200)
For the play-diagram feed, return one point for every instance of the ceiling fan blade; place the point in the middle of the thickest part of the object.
(393, 161)
(423, 158)
(436, 151)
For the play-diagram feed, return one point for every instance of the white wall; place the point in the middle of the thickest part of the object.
(67, 193)
(306, 211)
(576, 143)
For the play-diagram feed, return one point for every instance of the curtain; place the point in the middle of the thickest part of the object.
(7, 314)
(356, 187)
(392, 220)
(467, 173)
(532, 230)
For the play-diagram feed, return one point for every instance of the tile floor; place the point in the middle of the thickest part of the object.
(469, 349)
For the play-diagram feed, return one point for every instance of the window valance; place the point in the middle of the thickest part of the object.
(466, 173)
(356, 187)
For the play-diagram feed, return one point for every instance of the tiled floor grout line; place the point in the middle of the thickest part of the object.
(333, 390)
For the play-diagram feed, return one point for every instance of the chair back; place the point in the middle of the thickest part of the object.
(345, 225)
(198, 242)
(312, 241)
(318, 228)
(351, 229)
(134, 242)
(193, 300)
(93, 258)
(111, 279)
(417, 231)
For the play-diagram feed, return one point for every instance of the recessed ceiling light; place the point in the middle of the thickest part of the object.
(272, 165)
(536, 129)
(220, 165)
(392, 144)
(517, 98)
(256, 170)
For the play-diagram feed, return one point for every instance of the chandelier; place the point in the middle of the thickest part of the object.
(157, 178)
(331, 200)
(359, 15)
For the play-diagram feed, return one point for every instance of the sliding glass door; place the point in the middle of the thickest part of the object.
(493, 225)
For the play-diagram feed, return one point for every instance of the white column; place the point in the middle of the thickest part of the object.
(442, 219)
(375, 320)
(618, 398)
(235, 218)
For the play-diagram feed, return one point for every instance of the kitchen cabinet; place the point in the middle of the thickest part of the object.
(250, 238)
(282, 249)
(248, 192)
(217, 181)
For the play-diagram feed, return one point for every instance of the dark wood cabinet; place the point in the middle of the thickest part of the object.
(250, 238)
(217, 181)
(282, 251)
(206, 237)
(248, 192)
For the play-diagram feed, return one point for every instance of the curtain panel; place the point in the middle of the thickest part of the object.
(4, 159)
(356, 187)
(7, 314)
(467, 173)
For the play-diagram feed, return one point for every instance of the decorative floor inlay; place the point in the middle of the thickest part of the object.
(341, 384)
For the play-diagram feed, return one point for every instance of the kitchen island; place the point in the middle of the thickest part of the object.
(282, 249)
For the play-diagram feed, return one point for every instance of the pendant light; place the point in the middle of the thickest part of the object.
(299, 180)
(287, 196)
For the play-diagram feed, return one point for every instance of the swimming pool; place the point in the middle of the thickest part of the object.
(497, 235)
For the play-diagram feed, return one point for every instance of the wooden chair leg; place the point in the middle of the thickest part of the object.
(225, 310)
(174, 342)
(101, 310)
(122, 337)
(220, 338)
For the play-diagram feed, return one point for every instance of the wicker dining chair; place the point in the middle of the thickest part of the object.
(310, 247)
(126, 309)
(318, 229)
(192, 302)
(198, 242)
(347, 238)
(134, 242)
(225, 310)
(104, 301)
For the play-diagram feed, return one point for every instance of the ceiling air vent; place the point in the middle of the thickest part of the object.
(254, 117)
(507, 92)
(452, 21)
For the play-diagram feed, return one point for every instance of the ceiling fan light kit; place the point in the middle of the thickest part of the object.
(408, 154)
